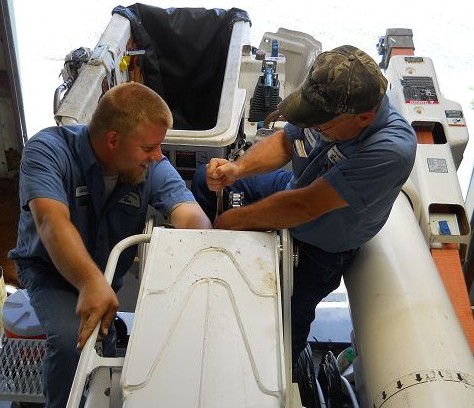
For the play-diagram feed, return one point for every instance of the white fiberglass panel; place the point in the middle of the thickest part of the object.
(207, 329)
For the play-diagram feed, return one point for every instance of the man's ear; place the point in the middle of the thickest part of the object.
(364, 119)
(112, 139)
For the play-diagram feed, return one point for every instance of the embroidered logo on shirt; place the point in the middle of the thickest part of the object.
(335, 156)
(82, 191)
(132, 199)
(309, 137)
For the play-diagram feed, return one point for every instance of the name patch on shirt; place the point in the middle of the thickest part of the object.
(132, 199)
(82, 191)
(335, 155)
(309, 137)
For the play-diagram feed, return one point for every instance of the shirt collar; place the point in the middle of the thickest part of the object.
(87, 155)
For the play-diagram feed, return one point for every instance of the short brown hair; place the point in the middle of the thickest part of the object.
(124, 107)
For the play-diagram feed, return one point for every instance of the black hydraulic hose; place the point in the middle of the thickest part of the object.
(64, 87)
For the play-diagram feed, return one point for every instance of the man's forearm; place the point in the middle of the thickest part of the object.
(68, 253)
(275, 212)
(63, 241)
(284, 209)
(189, 216)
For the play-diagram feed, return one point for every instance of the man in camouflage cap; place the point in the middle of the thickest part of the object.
(344, 80)
(351, 152)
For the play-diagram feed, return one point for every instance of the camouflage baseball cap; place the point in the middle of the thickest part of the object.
(343, 80)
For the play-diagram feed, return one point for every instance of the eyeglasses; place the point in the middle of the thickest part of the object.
(339, 122)
(321, 130)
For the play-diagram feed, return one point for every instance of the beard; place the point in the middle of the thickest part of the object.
(132, 177)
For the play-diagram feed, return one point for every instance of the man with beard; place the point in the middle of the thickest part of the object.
(82, 190)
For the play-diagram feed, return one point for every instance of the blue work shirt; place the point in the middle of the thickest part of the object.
(59, 163)
(368, 172)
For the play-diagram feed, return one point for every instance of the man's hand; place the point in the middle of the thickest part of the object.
(97, 302)
(221, 173)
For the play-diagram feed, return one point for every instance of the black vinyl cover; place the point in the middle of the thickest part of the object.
(185, 57)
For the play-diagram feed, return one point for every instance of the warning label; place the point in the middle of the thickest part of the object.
(455, 118)
(437, 165)
(419, 90)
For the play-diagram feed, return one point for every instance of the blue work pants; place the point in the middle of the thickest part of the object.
(54, 301)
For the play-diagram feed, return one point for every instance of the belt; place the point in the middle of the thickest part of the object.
(349, 254)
